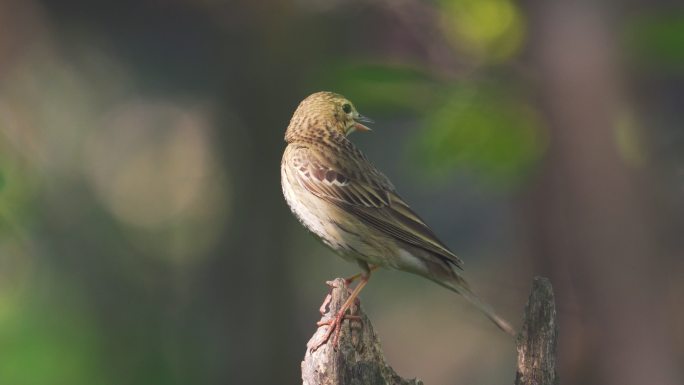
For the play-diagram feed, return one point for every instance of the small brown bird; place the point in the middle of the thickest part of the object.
(337, 194)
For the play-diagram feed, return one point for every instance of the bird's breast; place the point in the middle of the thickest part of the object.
(311, 211)
(338, 229)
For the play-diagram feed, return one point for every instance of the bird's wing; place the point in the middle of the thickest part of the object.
(360, 189)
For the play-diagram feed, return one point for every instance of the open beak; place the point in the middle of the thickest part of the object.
(359, 126)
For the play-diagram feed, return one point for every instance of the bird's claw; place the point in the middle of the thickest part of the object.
(334, 327)
(334, 323)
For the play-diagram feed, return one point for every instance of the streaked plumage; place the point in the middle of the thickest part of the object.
(352, 207)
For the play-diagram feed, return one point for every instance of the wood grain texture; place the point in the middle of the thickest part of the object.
(536, 341)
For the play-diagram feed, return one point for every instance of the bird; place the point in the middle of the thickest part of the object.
(353, 208)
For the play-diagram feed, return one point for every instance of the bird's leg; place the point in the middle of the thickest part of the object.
(356, 276)
(335, 323)
(347, 281)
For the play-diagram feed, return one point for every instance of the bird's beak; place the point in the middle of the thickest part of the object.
(361, 127)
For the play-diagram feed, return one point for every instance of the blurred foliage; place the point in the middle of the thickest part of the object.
(491, 30)
(51, 342)
(383, 87)
(487, 131)
(17, 189)
(657, 39)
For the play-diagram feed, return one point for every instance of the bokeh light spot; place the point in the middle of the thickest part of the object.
(153, 167)
(629, 143)
(491, 29)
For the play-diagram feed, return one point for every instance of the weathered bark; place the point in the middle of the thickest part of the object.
(537, 340)
(358, 360)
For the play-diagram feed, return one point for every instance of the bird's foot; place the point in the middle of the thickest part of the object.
(334, 325)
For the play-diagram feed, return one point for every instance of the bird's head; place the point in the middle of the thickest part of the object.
(329, 111)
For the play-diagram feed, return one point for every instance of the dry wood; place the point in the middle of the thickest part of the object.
(537, 339)
(358, 360)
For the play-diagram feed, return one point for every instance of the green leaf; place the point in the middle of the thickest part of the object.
(492, 134)
(657, 40)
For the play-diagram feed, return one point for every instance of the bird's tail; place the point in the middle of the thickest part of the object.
(460, 286)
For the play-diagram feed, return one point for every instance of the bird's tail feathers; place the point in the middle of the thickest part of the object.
(459, 285)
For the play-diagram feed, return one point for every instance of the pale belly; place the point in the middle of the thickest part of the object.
(310, 213)
(352, 241)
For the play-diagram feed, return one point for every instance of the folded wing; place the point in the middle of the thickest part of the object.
(368, 195)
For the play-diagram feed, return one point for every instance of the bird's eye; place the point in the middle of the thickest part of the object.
(346, 108)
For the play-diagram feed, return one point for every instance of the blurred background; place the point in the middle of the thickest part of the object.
(144, 238)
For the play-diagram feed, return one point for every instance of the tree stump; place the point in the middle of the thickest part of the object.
(536, 341)
(358, 360)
